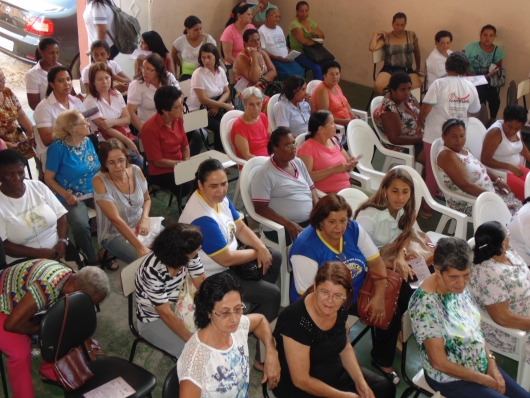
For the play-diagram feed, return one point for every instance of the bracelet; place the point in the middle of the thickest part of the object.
(497, 180)
(64, 240)
(490, 356)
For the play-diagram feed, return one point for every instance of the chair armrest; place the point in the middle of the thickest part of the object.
(461, 218)
(362, 179)
(363, 115)
(499, 173)
(519, 334)
(409, 159)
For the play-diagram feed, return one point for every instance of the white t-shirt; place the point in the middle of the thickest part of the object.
(212, 83)
(106, 110)
(519, 228)
(507, 151)
(436, 66)
(111, 64)
(188, 54)
(36, 81)
(452, 97)
(32, 219)
(380, 225)
(142, 94)
(46, 113)
(98, 14)
(273, 41)
(218, 373)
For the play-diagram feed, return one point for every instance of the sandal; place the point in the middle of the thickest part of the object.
(107, 261)
(392, 376)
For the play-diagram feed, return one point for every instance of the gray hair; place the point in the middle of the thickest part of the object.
(452, 253)
(93, 281)
(249, 91)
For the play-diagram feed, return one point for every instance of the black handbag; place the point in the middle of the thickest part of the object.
(248, 271)
(318, 53)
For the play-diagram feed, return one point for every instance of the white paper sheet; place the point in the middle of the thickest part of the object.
(422, 271)
(138, 52)
(117, 388)
(477, 80)
(293, 54)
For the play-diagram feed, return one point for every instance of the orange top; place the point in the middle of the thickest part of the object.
(338, 104)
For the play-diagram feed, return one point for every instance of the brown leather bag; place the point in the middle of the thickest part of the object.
(393, 286)
(72, 370)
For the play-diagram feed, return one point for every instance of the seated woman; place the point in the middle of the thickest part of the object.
(333, 236)
(259, 11)
(282, 190)
(58, 100)
(71, 163)
(252, 67)
(315, 354)
(209, 89)
(151, 41)
(503, 147)
(500, 283)
(399, 47)
(185, 49)
(519, 228)
(273, 43)
(16, 130)
(158, 281)
(482, 54)
(463, 173)
(301, 32)
(397, 114)
(112, 119)
(250, 133)
(293, 109)
(210, 210)
(446, 324)
(100, 52)
(325, 159)
(435, 63)
(32, 221)
(122, 203)
(36, 78)
(215, 358)
(232, 38)
(165, 142)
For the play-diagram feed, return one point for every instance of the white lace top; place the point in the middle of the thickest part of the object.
(218, 373)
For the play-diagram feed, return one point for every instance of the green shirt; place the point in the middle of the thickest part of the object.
(43, 279)
(261, 16)
(455, 319)
(295, 44)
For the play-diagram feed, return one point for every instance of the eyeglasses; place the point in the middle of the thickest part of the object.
(147, 70)
(336, 297)
(114, 163)
(289, 146)
(83, 123)
(333, 74)
(177, 106)
(226, 314)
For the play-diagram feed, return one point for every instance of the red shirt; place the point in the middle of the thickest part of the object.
(256, 134)
(161, 142)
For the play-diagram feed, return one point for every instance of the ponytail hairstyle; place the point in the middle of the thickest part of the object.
(190, 22)
(43, 43)
(488, 241)
(239, 9)
(317, 120)
(52, 74)
(155, 43)
(205, 169)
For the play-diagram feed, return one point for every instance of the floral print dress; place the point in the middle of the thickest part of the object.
(9, 126)
(455, 319)
(492, 282)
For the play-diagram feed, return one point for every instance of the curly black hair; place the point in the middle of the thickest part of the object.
(175, 242)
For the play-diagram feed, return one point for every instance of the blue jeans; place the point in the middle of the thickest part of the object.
(286, 69)
(121, 248)
(77, 218)
(307, 63)
(460, 388)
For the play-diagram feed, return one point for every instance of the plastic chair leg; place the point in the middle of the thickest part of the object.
(236, 193)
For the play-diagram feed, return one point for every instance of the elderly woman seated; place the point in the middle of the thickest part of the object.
(158, 281)
(293, 109)
(446, 324)
(215, 358)
(21, 299)
(503, 148)
(282, 190)
(435, 63)
(397, 114)
(325, 159)
(328, 95)
(250, 133)
(122, 203)
(311, 334)
(500, 285)
(463, 173)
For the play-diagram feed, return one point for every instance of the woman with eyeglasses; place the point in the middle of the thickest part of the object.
(334, 236)
(122, 203)
(282, 189)
(293, 109)
(315, 354)
(214, 361)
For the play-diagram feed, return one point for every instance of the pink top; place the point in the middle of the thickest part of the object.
(232, 35)
(322, 159)
(338, 104)
(256, 134)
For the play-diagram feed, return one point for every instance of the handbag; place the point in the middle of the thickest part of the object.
(393, 286)
(185, 307)
(248, 271)
(318, 53)
(499, 79)
(420, 245)
(72, 370)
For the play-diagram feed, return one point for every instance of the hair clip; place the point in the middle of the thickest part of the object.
(483, 246)
(231, 15)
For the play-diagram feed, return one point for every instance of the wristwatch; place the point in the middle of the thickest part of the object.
(490, 356)
(64, 240)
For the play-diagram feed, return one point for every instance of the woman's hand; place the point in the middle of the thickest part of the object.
(142, 251)
(143, 227)
(59, 250)
(293, 229)
(72, 200)
(212, 111)
(253, 51)
(131, 146)
(503, 186)
(271, 371)
(363, 389)
(516, 171)
(105, 124)
(493, 371)
(264, 258)
(401, 266)
(376, 308)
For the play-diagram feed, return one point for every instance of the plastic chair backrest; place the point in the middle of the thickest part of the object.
(436, 147)
(195, 120)
(361, 140)
(225, 131)
(171, 388)
(246, 176)
(527, 186)
(373, 106)
(300, 140)
(475, 134)
(378, 56)
(311, 86)
(417, 94)
(128, 274)
(354, 197)
(490, 207)
(270, 110)
(511, 94)
(80, 325)
(523, 88)
(185, 87)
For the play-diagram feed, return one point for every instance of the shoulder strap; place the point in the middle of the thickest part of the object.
(62, 327)
(493, 58)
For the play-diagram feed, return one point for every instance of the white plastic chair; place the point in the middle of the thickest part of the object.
(490, 207)
(185, 87)
(436, 147)
(248, 172)
(354, 197)
(226, 128)
(527, 186)
(270, 110)
(311, 86)
(362, 140)
(301, 139)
